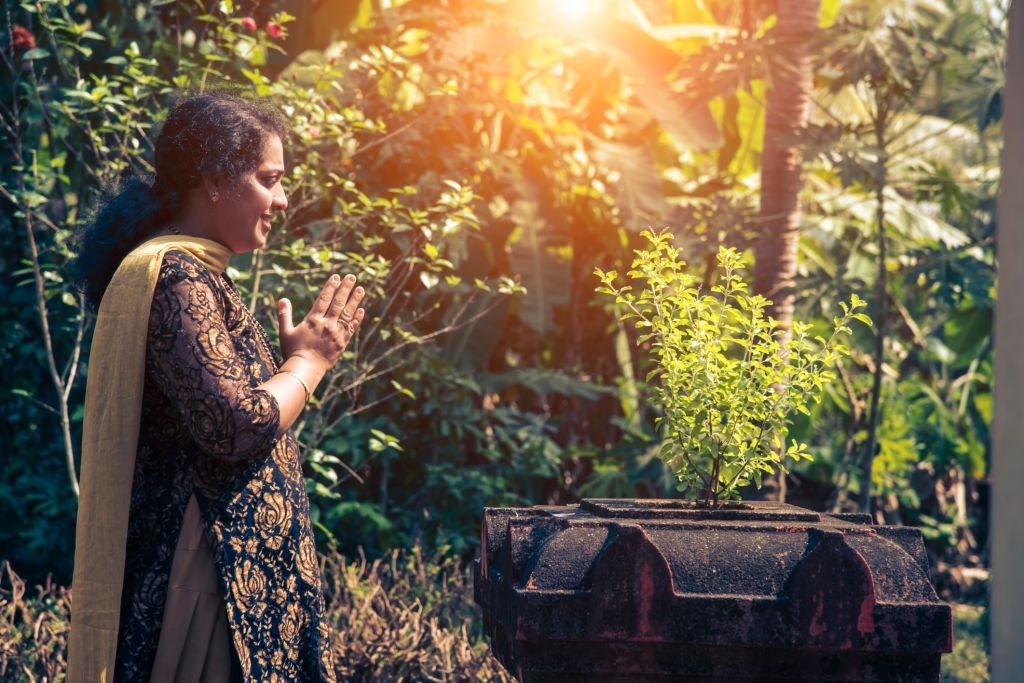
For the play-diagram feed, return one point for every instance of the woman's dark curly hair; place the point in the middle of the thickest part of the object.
(202, 135)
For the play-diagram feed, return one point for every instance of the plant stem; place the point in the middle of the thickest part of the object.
(881, 295)
(55, 375)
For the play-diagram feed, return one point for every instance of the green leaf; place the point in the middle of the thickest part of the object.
(35, 53)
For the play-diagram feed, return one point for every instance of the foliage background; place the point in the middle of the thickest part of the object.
(473, 162)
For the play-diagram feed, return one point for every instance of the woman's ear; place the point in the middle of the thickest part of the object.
(213, 184)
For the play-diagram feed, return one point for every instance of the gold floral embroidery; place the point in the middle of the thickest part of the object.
(210, 432)
(309, 567)
(275, 513)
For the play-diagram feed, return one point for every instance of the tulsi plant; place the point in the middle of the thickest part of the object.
(727, 376)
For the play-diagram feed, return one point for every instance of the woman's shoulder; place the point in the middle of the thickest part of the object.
(184, 277)
(180, 266)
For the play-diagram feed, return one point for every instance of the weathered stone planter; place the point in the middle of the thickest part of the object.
(621, 590)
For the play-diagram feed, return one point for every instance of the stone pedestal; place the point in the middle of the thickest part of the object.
(649, 590)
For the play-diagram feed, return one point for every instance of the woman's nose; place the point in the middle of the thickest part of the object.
(280, 201)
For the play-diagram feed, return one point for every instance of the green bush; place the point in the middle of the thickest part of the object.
(80, 108)
(969, 660)
(729, 377)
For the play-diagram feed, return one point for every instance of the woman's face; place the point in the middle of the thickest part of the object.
(245, 207)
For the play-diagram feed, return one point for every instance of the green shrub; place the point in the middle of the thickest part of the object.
(80, 108)
(729, 376)
(969, 660)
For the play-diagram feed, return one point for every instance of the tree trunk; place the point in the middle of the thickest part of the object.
(787, 110)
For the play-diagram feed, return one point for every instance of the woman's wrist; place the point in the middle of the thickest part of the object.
(303, 372)
(298, 378)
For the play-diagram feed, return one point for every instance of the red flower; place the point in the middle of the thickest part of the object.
(273, 30)
(249, 23)
(23, 39)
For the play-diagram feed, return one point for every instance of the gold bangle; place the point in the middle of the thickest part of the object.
(305, 387)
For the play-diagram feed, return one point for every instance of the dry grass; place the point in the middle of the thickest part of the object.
(33, 629)
(407, 618)
(402, 618)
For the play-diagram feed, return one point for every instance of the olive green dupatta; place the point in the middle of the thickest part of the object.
(113, 406)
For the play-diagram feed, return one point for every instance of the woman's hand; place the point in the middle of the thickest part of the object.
(325, 332)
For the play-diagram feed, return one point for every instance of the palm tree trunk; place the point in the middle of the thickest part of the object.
(787, 109)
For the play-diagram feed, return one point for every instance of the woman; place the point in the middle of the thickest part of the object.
(195, 558)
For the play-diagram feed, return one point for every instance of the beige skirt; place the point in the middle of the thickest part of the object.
(195, 641)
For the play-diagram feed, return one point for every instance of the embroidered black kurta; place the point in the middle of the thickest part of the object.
(208, 431)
